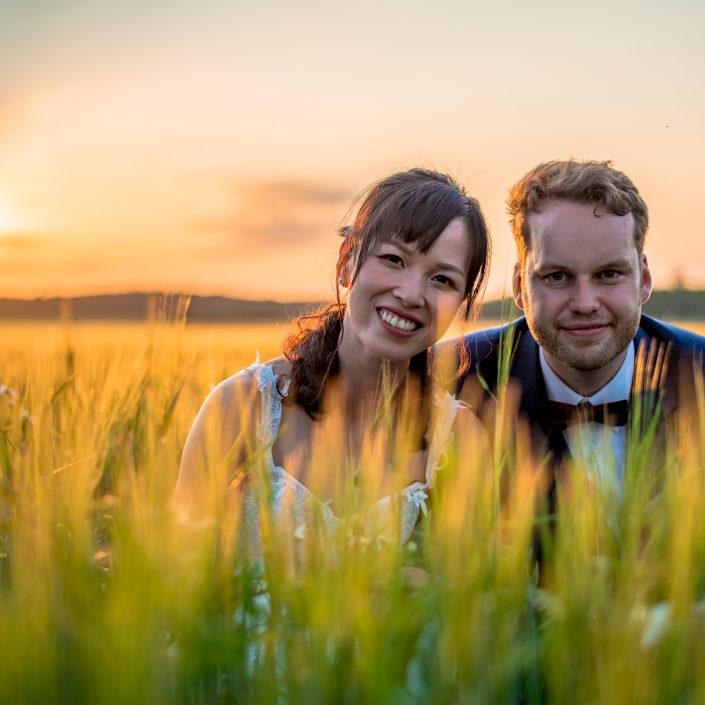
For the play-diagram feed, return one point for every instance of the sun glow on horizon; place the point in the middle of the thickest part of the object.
(10, 220)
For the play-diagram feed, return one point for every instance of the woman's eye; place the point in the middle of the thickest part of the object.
(443, 279)
(393, 259)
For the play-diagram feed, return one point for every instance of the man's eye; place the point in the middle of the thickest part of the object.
(555, 277)
(610, 274)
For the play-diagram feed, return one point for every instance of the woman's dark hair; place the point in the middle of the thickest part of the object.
(414, 206)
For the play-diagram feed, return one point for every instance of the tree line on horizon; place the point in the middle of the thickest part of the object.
(669, 304)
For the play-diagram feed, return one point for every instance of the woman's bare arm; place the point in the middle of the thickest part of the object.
(217, 445)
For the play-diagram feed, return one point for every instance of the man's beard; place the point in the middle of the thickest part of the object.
(591, 357)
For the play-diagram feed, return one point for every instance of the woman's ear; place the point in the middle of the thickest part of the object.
(345, 266)
(344, 277)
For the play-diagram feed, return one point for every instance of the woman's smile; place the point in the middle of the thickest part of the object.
(397, 322)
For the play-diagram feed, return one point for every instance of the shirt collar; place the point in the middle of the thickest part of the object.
(617, 389)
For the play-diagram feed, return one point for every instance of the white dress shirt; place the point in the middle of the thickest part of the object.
(601, 449)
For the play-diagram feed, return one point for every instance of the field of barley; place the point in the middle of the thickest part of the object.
(108, 595)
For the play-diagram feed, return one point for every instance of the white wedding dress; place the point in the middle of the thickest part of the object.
(293, 504)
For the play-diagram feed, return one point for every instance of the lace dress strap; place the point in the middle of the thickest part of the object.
(416, 494)
(271, 396)
(447, 409)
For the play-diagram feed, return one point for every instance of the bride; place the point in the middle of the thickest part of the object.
(344, 422)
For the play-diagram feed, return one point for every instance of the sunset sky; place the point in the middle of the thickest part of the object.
(214, 147)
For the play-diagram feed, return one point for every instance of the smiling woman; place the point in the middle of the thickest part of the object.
(354, 385)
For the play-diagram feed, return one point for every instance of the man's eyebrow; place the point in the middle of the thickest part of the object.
(620, 263)
(543, 266)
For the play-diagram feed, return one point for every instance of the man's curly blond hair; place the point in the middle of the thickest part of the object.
(581, 181)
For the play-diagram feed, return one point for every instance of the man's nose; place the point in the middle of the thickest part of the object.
(584, 299)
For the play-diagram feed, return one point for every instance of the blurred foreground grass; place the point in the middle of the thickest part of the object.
(105, 597)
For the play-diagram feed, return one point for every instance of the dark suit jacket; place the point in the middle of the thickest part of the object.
(668, 358)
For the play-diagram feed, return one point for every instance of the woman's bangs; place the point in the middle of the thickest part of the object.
(418, 221)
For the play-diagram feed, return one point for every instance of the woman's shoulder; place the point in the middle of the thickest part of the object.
(232, 390)
(231, 407)
(261, 376)
(223, 429)
(280, 366)
(249, 380)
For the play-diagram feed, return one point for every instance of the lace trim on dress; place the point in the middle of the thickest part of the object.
(447, 409)
(416, 494)
(270, 400)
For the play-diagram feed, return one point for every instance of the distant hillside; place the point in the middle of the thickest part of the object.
(682, 304)
(669, 305)
(677, 305)
(141, 307)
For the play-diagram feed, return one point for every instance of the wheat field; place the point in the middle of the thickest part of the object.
(108, 596)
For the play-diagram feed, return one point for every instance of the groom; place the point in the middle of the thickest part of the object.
(583, 349)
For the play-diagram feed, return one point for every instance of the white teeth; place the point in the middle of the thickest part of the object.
(396, 322)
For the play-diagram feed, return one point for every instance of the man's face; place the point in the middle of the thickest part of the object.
(581, 287)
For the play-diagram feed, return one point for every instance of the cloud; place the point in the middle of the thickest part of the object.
(18, 242)
(273, 214)
(297, 192)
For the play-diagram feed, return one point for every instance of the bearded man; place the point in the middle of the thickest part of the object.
(583, 353)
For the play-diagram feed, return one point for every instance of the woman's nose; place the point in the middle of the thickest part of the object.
(410, 290)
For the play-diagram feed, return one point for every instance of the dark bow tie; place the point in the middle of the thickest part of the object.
(560, 416)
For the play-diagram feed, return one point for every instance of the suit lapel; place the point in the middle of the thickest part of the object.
(655, 383)
(525, 369)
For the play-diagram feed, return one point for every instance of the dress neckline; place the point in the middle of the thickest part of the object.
(416, 493)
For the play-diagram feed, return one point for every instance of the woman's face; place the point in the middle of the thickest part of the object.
(403, 300)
